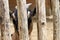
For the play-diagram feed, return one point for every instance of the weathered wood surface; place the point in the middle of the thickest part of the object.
(4, 20)
(41, 22)
(1, 18)
(56, 19)
(22, 20)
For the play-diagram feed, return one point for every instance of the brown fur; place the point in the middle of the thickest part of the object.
(15, 36)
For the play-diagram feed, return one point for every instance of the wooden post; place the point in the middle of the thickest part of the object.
(1, 19)
(1, 11)
(41, 22)
(56, 19)
(22, 20)
(5, 20)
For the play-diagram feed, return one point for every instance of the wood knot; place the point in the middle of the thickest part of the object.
(43, 23)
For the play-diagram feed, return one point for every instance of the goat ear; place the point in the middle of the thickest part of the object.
(27, 5)
(33, 12)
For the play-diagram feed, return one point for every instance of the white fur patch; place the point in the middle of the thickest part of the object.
(28, 14)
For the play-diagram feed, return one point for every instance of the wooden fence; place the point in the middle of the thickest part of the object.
(23, 23)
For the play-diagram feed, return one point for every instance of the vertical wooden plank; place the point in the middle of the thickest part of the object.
(22, 20)
(5, 20)
(41, 22)
(56, 19)
(1, 19)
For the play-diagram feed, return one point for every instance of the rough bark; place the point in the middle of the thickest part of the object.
(4, 20)
(1, 19)
(41, 22)
(22, 20)
(56, 19)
